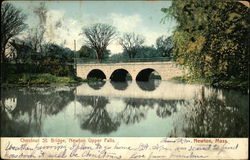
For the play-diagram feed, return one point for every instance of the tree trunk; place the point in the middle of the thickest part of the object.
(3, 55)
(99, 56)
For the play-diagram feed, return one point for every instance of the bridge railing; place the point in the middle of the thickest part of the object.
(120, 60)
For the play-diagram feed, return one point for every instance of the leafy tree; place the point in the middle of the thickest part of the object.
(89, 53)
(148, 52)
(86, 52)
(55, 51)
(119, 57)
(165, 46)
(131, 42)
(212, 38)
(107, 54)
(141, 52)
(12, 23)
(99, 37)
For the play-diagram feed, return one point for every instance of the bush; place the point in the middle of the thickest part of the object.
(31, 79)
(54, 67)
(48, 65)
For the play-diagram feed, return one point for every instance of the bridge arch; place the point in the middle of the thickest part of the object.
(96, 73)
(166, 70)
(119, 75)
(144, 74)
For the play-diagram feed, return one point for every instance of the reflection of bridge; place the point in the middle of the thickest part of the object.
(137, 70)
(159, 90)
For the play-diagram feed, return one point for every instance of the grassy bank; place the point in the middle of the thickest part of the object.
(38, 79)
(225, 84)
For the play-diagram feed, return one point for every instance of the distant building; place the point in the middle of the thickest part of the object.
(23, 52)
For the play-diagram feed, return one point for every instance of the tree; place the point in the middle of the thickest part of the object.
(99, 37)
(86, 52)
(60, 53)
(147, 52)
(165, 46)
(141, 52)
(131, 42)
(35, 36)
(212, 38)
(12, 23)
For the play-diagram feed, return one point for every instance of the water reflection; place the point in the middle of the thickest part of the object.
(150, 85)
(97, 85)
(133, 112)
(215, 117)
(42, 111)
(98, 121)
(120, 85)
(167, 107)
(31, 107)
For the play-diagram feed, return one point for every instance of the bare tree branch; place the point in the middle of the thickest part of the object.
(131, 42)
(12, 23)
(99, 37)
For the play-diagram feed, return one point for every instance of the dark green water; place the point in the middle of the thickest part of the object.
(131, 109)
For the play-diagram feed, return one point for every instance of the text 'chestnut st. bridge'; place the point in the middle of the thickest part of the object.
(138, 69)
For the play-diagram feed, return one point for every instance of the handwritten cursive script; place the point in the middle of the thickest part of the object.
(122, 148)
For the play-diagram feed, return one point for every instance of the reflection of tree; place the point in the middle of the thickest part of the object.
(55, 102)
(167, 107)
(96, 85)
(134, 111)
(10, 127)
(32, 105)
(120, 85)
(214, 117)
(150, 85)
(98, 121)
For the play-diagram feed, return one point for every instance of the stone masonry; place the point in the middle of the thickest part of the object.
(166, 70)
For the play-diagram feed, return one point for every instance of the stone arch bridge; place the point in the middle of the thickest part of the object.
(138, 70)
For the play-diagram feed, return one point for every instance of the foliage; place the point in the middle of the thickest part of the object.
(131, 43)
(12, 23)
(148, 52)
(54, 51)
(55, 67)
(48, 65)
(99, 37)
(86, 52)
(235, 83)
(24, 52)
(141, 52)
(165, 46)
(37, 79)
(89, 53)
(211, 38)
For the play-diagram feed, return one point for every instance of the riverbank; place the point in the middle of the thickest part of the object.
(28, 79)
(223, 84)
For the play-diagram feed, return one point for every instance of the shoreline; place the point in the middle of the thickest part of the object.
(227, 85)
(42, 80)
(46, 80)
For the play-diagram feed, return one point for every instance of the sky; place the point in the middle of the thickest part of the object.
(66, 20)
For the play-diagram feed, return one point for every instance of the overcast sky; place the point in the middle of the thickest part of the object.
(65, 20)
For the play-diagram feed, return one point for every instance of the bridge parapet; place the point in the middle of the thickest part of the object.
(166, 70)
(122, 60)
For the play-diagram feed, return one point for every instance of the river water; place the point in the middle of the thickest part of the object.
(124, 109)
